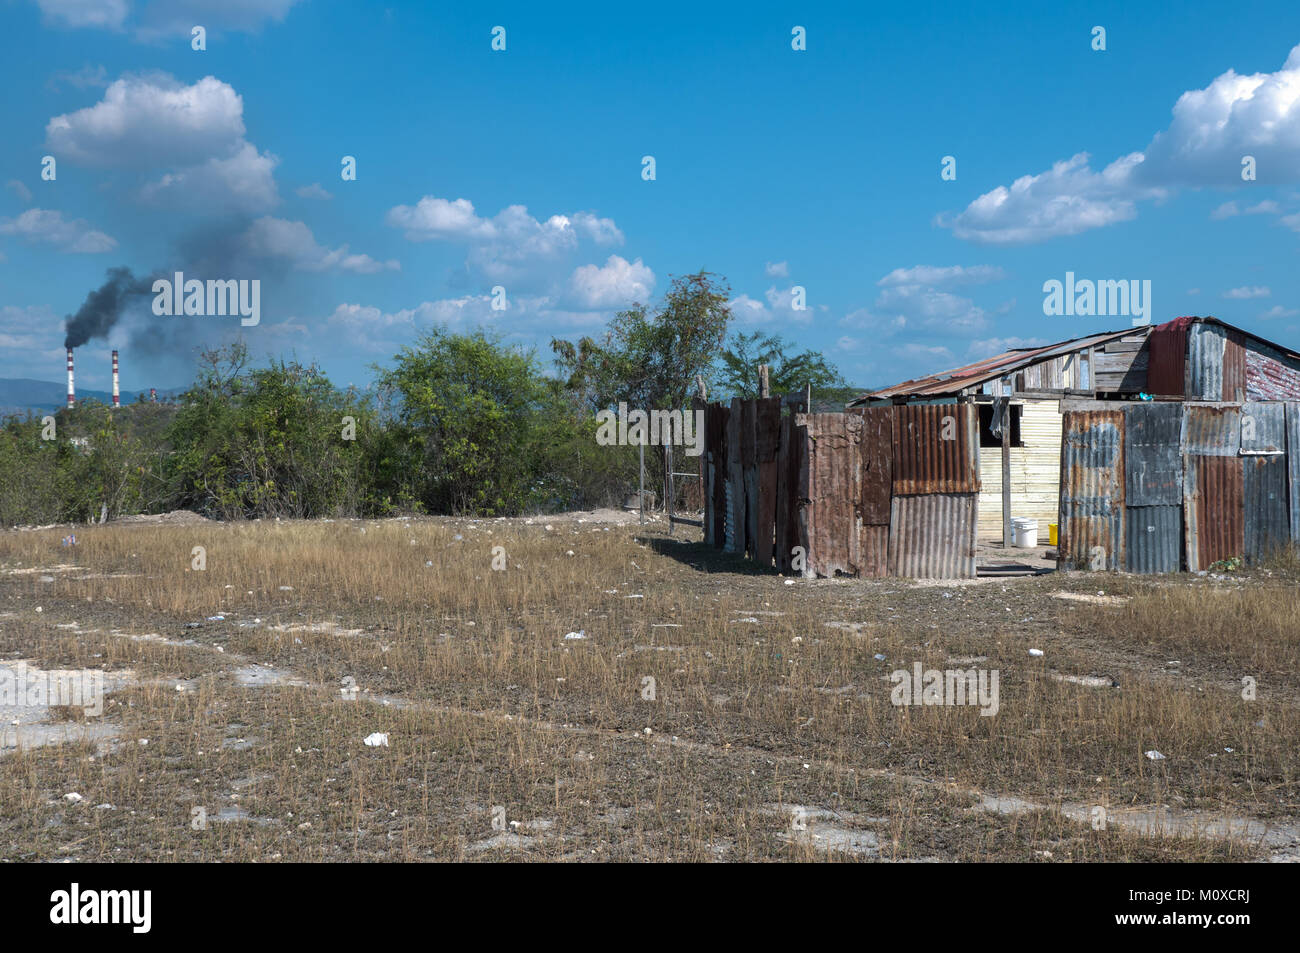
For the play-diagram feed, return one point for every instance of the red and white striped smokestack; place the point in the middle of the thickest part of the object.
(117, 401)
(72, 393)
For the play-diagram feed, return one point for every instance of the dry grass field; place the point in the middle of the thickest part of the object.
(708, 711)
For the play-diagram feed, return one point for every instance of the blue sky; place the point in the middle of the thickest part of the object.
(778, 169)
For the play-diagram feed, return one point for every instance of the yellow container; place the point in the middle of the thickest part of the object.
(1051, 533)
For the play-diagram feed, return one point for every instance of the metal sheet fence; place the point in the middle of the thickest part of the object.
(893, 490)
(821, 494)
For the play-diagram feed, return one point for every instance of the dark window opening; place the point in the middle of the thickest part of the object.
(987, 439)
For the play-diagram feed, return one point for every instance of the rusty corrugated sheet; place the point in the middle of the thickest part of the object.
(830, 478)
(933, 536)
(877, 463)
(873, 559)
(1234, 366)
(1205, 361)
(1212, 510)
(1153, 538)
(1092, 490)
(1271, 376)
(1265, 506)
(1263, 428)
(1293, 467)
(1212, 431)
(936, 448)
(1153, 462)
(1167, 362)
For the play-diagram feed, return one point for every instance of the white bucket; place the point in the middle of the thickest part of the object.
(1024, 532)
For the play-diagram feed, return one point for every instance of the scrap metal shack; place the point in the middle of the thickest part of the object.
(1155, 449)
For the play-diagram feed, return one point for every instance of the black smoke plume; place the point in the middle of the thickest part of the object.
(104, 306)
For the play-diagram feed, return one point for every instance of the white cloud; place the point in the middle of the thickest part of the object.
(244, 181)
(433, 219)
(777, 306)
(1277, 311)
(48, 227)
(1247, 292)
(938, 275)
(932, 308)
(196, 132)
(507, 246)
(602, 231)
(313, 191)
(1212, 129)
(615, 284)
(102, 14)
(777, 269)
(152, 121)
(1233, 116)
(1067, 199)
(293, 241)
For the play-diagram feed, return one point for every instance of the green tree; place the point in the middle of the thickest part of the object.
(651, 357)
(274, 441)
(478, 428)
(787, 371)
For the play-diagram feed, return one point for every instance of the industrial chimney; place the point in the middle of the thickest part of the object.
(117, 401)
(72, 393)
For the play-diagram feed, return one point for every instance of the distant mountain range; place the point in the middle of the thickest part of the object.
(19, 395)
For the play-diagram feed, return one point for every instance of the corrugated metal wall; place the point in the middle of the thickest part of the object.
(1153, 465)
(1293, 467)
(1146, 487)
(936, 448)
(1213, 510)
(1092, 490)
(1205, 362)
(1153, 538)
(932, 536)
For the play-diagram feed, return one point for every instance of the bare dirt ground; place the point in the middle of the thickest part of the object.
(580, 687)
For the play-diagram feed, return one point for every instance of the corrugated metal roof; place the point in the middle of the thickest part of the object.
(991, 368)
(1092, 490)
(936, 448)
(1153, 538)
(1168, 375)
(1268, 378)
(933, 536)
(1153, 463)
